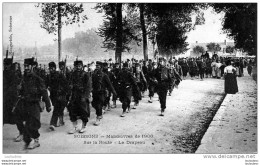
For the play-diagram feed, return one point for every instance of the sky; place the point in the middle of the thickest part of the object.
(26, 29)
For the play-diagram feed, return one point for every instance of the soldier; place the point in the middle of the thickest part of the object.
(193, 68)
(32, 89)
(10, 82)
(152, 81)
(126, 84)
(100, 86)
(178, 71)
(141, 84)
(163, 77)
(59, 89)
(116, 70)
(185, 68)
(202, 67)
(106, 70)
(81, 86)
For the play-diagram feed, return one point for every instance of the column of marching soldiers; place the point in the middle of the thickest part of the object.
(92, 84)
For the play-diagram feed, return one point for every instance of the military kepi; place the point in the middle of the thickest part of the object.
(78, 63)
(29, 61)
(52, 64)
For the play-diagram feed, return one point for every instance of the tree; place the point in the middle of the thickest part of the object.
(198, 49)
(230, 49)
(240, 24)
(168, 25)
(213, 47)
(118, 32)
(55, 15)
(142, 20)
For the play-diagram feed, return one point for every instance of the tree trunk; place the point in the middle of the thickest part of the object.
(145, 48)
(119, 33)
(59, 32)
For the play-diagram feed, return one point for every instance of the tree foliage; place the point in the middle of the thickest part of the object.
(168, 24)
(230, 49)
(109, 27)
(198, 49)
(213, 47)
(70, 12)
(240, 24)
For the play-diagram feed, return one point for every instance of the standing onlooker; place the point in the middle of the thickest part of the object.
(230, 79)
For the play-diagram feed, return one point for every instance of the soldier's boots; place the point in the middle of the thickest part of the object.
(135, 105)
(150, 100)
(98, 121)
(162, 112)
(18, 138)
(74, 128)
(33, 144)
(104, 109)
(52, 128)
(61, 121)
(123, 114)
(83, 128)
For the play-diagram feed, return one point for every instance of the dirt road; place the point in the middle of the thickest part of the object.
(189, 111)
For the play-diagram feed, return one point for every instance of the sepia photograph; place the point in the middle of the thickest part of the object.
(131, 78)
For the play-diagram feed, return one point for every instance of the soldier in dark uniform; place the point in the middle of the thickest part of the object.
(185, 68)
(178, 71)
(163, 77)
(152, 81)
(206, 55)
(202, 67)
(32, 89)
(101, 83)
(126, 84)
(141, 83)
(116, 70)
(107, 105)
(192, 67)
(81, 86)
(59, 89)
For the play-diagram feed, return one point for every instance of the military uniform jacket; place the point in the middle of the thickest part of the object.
(58, 86)
(81, 84)
(101, 82)
(163, 76)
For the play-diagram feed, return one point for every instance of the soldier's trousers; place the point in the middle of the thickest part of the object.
(107, 98)
(201, 73)
(162, 92)
(98, 102)
(151, 89)
(125, 98)
(79, 109)
(57, 112)
(32, 121)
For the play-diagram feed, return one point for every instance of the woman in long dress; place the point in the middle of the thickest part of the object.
(230, 79)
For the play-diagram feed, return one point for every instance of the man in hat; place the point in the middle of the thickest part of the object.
(32, 89)
(164, 79)
(59, 89)
(126, 84)
(81, 86)
(99, 93)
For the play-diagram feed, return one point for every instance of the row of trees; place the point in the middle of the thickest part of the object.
(164, 25)
(212, 47)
